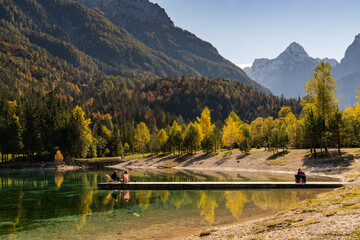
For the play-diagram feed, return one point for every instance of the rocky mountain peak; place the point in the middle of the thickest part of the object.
(351, 61)
(295, 50)
(128, 11)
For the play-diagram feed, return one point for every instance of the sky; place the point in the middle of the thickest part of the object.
(243, 30)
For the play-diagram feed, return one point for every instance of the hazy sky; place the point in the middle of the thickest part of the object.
(243, 30)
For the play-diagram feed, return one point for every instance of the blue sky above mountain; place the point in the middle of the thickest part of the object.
(243, 30)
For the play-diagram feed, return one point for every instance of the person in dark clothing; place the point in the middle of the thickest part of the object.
(300, 176)
(114, 176)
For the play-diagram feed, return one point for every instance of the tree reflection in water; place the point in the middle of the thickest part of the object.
(235, 202)
(207, 204)
(29, 201)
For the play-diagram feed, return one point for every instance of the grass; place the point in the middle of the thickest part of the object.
(127, 158)
(137, 156)
(98, 159)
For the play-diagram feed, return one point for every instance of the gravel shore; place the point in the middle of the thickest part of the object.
(332, 215)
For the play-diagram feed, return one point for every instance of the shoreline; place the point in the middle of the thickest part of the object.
(318, 218)
(326, 212)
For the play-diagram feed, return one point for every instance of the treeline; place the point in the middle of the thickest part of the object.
(43, 127)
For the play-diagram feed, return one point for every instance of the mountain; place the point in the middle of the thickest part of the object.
(351, 61)
(347, 73)
(58, 26)
(149, 23)
(75, 52)
(286, 74)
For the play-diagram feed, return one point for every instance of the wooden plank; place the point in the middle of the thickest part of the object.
(215, 185)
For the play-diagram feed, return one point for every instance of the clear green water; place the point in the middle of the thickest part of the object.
(54, 205)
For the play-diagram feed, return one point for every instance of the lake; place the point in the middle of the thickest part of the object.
(58, 205)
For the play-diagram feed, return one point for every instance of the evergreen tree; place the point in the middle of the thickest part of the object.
(191, 139)
(336, 127)
(175, 137)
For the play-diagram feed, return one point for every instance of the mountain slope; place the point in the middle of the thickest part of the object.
(347, 73)
(286, 74)
(351, 61)
(45, 22)
(149, 23)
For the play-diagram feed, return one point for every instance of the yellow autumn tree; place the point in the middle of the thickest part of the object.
(320, 92)
(142, 137)
(80, 133)
(231, 130)
(162, 137)
(320, 100)
(205, 123)
(59, 157)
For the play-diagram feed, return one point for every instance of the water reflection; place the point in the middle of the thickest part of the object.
(70, 203)
(235, 202)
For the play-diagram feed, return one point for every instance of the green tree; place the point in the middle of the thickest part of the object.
(313, 127)
(54, 127)
(162, 138)
(80, 133)
(175, 137)
(320, 96)
(155, 144)
(192, 137)
(115, 142)
(336, 127)
(142, 137)
(11, 141)
(126, 148)
(244, 143)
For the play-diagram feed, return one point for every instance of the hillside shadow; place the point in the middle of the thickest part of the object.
(277, 155)
(200, 158)
(330, 162)
(223, 159)
(242, 156)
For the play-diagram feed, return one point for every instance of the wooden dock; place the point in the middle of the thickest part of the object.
(215, 185)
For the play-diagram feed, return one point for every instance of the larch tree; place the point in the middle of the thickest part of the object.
(162, 137)
(80, 133)
(320, 97)
(231, 130)
(142, 137)
(205, 123)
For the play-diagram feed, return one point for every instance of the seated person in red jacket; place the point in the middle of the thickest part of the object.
(126, 177)
(300, 176)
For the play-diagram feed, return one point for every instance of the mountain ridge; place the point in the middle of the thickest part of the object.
(165, 37)
(286, 74)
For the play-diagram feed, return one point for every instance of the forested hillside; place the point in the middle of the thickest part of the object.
(150, 24)
(61, 62)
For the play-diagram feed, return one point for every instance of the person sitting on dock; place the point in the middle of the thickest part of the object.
(300, 176)
(126, 177)
(114, 176)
